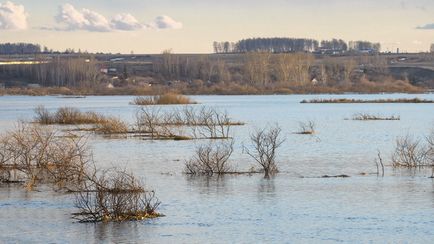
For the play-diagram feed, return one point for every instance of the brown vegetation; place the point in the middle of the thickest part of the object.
(366, 117)
(72, 116)
(66, 116)
(346, 100)
(165, 99)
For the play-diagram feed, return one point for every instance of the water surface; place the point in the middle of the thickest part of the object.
(246, 209)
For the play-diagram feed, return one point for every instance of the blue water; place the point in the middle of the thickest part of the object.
(246, 209)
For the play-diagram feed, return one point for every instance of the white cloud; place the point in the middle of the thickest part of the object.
(73, 19)
(82, 20)
(126, 22)
(12, 16)
(165, 22)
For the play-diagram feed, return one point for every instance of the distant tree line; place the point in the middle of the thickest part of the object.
(19, 48)
(69, 72)
(287, 45)
(265, 69)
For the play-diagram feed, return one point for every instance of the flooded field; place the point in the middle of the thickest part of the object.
(294, 206)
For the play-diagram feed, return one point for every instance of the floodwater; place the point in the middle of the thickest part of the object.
(294, 206)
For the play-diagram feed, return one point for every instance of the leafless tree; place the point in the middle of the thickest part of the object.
(265, 144)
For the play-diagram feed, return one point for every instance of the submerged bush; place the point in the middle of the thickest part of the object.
(45, 155)
(211, 159)
(410, 153)
(115, 195)
(201, 122)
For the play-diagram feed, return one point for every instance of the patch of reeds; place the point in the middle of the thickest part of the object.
(66, 116)
(346, 100)
(367, 117)
(111, 126)
(165, 99)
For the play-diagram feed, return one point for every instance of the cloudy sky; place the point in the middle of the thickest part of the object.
(190, 26)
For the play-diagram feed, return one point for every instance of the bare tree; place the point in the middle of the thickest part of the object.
(265, 144)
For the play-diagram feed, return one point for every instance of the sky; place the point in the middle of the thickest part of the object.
(191, 26)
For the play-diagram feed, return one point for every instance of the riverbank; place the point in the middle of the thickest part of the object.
(220, 89)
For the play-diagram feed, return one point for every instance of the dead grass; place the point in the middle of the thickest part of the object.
(66, 116)
(165, 99)
(370, 117)
(346, 100)
(111, 126)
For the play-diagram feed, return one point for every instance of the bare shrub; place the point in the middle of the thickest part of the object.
(306, 128)
(201, 123)
(115, 195)
(409, 153)
(265, 144)
(44, 155)
(211, 159)
(165, 99)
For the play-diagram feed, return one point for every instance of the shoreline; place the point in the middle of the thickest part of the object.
(78, 93)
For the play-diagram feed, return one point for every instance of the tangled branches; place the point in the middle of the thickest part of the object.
(115, 195)
(211, 159)
(265, 144)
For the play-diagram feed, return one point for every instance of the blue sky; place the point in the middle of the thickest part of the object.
(190, 26)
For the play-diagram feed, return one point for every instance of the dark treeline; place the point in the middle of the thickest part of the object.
(19, 48)
(286, 45)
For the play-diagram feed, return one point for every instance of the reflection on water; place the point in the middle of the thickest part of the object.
(247, 208)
